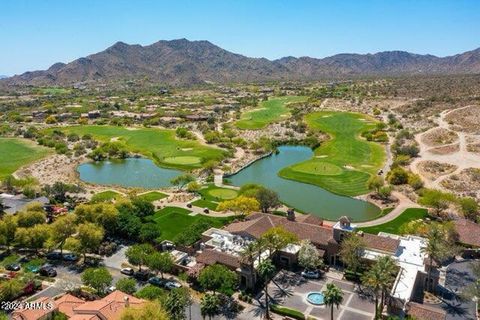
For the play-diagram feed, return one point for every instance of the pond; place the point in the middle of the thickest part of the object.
(304, 197)
(130, 172)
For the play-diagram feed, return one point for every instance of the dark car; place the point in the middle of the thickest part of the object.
(48, 271)
(142, 275)
(156, 281)
(12, 267)
(54, 256)
(70, 257)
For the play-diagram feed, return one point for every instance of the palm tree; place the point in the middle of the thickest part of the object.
(209, 305)
(439, 246)
(248, 254)
(266, 270)
(380, 278)
(333, 296)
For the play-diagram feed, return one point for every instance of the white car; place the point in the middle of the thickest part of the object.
(311, 274)
(127, 271)
(173, 285)
(111, 289)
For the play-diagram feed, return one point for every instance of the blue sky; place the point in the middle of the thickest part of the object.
(36, 34)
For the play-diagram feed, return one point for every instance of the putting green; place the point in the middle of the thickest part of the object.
(317, 167)
(350, 160)
(269, 111)
(159, 144)
(15, 152)
(224, 194)
(183, 160)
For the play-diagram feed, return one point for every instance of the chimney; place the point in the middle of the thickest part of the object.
(291, 214)
(127, 301)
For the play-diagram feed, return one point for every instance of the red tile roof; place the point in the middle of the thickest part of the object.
(210, 256)
(468, 232)
(67, 303)
(257, 224)
(383, 244)
(424, 312)
(35, 314)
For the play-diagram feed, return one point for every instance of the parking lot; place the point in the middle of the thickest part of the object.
(290, 290)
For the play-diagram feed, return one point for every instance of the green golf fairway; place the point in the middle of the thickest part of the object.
(15, 153)
(344, 163)
(159, 144)
(268, 112)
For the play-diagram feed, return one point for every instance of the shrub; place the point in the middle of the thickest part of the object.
(287, 312)
(398, 176)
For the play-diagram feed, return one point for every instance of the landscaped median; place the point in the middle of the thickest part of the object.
(284, 311)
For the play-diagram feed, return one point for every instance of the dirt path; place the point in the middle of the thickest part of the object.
(462, 158)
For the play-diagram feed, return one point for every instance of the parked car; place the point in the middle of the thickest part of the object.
(32, 268)
(70, 257)
(127, 271)
(54, 256)
(156, 281)
(172, 284)
(111, 289)
(311, 274)
(142, 275)
(48, 271)
(13, 267)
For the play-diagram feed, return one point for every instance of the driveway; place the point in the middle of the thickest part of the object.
(290, 290)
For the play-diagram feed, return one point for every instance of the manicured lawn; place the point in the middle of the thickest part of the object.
(344, 163)
(205, 204)
(268, 112)
(15, 152)
(158, 144)
(215, 194)
(152, 196)
(174, 220)
(395, 225)
(105, 196)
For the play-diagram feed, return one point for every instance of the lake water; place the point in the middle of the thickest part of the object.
(305, 197)
(131, 172)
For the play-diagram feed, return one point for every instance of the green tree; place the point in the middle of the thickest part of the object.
(333, 296)
(351, 250)
(127, 285)
(217, 277)
(379, 278)
(240, 205)
(276, 239)
(266, 271)
(138, 254)
(440, 245)
(97, 278)
(28, 219)
(89, 237)
(150, 310)
(150, 292)
(308, 256)
(209, 306)
(8, 228)
(398, 176)
(469, 207)
(160, 262)
(62, 229)
(267, 199)
(375, 182)
(176, 303)
(10, 290)
(182, 180)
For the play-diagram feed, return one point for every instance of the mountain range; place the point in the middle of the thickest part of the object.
(184, 62)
